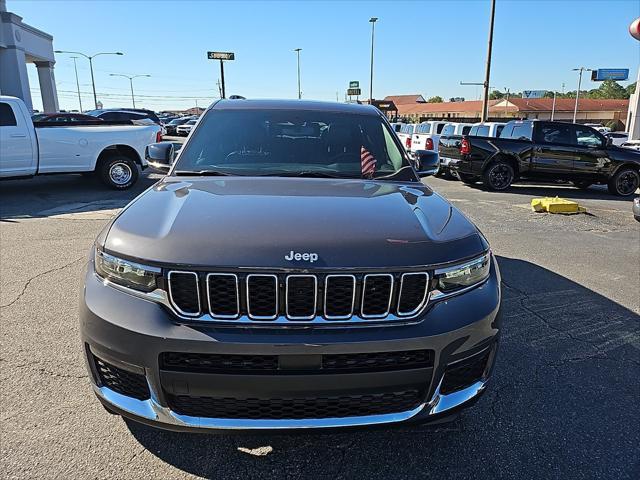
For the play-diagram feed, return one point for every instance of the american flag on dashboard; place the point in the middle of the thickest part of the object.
(367, 163)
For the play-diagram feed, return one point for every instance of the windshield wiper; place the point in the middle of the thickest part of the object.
(305, 173)
(203, 173)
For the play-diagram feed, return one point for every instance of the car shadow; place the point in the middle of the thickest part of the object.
(594, 192)
(52, 195)
(562, 403)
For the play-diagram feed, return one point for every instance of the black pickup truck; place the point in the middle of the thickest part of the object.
(546, 151)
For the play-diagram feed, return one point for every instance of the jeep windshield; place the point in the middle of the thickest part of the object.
(293, 143)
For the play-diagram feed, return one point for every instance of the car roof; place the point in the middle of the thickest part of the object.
(295, 105)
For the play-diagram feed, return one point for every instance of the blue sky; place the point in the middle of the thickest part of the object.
(425, 47)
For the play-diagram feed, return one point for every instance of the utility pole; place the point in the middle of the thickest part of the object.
(297, 50)
(75, 67)
(506, 105)
(553, 105)
(487, 75)
(373, 21)
(575, 108)
(222, 78)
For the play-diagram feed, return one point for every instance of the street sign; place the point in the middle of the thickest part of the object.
(354, 92)
(533, 93)
(602, 74)
(354, 84)
(221, 56)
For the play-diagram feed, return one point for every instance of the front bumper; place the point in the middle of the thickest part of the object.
(132, 334)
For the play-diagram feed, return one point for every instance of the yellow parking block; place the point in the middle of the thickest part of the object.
(556, 205)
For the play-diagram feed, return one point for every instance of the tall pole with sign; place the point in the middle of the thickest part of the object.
(373, 21)
(222, 56)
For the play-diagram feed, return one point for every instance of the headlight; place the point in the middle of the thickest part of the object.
(125, 272)
(462, 276)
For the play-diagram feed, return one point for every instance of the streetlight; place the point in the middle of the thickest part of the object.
(297, 50)
(90, 58)
(130, 77)
(75, 67)
(575, 108)
(373, 21)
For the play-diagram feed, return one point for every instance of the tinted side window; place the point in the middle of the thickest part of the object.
(440, 127)
(7, 118)
(586, 137)
(110, 116)
(483, 131)
(466, 130)
(448, 130)
(473, 132)
(555, 133)
(522, 131)
(499, 130)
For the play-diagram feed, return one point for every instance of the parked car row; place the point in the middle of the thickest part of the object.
(542, 150)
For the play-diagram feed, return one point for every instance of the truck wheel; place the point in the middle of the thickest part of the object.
(581, 184)
(118, 172)
(498, 176)
(625, 182)
(468, 179)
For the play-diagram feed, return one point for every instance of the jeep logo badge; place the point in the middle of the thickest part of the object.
(307, 257)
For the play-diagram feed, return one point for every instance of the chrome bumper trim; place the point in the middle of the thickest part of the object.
(153, 411)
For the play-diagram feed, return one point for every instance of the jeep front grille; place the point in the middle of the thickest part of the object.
(297, 298)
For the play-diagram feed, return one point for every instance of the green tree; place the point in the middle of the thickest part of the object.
(631, 89)
(436, 99)
(496, 95)
(609, 89)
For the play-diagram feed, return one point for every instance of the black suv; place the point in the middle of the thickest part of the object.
(290, 271)
(125, 114)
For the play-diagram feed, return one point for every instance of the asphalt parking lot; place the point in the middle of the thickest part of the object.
(563, 402)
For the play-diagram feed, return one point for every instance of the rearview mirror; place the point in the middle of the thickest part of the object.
(160, 155)
(427, 162)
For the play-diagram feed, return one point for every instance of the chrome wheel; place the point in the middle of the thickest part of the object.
(120, 173)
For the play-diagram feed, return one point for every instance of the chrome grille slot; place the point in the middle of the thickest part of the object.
(223, 295)
(413, 293)
(262, 297)
(377, 292)
(339, 296)
(184, 293)
(301, 297)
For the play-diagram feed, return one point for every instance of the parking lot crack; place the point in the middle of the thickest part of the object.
(28, 282)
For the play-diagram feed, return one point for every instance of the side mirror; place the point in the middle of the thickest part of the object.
(609, 141)
(160, 155)
(427, 162)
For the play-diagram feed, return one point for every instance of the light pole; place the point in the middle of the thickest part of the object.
(575, 108)
(90, 58)
(553, 105)
(487, 75)
(75, 67)
(130, 77)
(297, 50)
(373, 21)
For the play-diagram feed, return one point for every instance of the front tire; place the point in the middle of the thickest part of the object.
(624, 182)
(119, 172)
(498, 176)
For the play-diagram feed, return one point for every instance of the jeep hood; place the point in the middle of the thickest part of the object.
(256, 222)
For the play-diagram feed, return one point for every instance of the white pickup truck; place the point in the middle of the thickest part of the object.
(114, 152)
(426, 135)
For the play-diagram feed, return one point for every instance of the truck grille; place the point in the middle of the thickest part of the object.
(295, 408)
(297, 298)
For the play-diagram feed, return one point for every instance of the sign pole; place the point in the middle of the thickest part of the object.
(222, 78)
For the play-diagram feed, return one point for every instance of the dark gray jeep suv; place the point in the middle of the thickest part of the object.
(290, 271)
